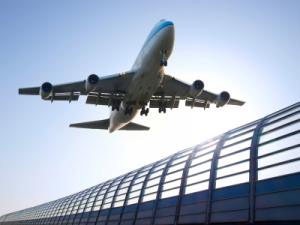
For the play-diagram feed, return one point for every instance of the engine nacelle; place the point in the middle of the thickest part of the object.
(196, 88)
(222, 99)
(46, 90)
(91, 82)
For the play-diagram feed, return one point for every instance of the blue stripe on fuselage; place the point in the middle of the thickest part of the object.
(158, 28)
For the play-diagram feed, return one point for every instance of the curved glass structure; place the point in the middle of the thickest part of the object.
(248, 175)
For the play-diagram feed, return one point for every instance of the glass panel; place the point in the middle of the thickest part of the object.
(143, 173)
(233, 169)
(121, 197)
(201, 152)
(208, 144)
(196, 187)
(293, 167)
(105, 206)
(126, 184)
(279, 132)
(172, 184)
(132, 201)
(122, 191)
(159, 167)
(134, 194)
(170, 193)
(136, 187)
(283, 114)
(110, 194)
(149, 197)
(153, 182)
(238, 138)
(234, 148)
(199, 168)
(177, 167)
(281, 122)
(118, 204)
(173, 176)
(139, 180)
(198, 178)
(180, 160)
(156, 174)
(279, 157)
(234, 158)
(151, 190)
(242, 130)
(279, 144)
(202, 159)
(236, 179)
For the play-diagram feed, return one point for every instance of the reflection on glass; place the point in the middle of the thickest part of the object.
(293, 167)
(173, 176)
(177, 167)
(170, 193)
(132, 201)
(281, 122)
(280, 132)
(153, 182)
(151, 190)
(202, 159)
(202, 152)
(279, 157)
(280, 115)
(196, 187)
(242, 129)
(149, 197)
(199, 168)
(235, 179)
(233, 158)
(233, 169)
(236, 147)
(238, 138)
(172, 184)
(198, 178)
(279, 144)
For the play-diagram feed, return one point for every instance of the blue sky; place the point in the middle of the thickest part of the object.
(251, 49)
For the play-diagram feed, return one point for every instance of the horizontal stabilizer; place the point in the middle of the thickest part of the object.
(104, 124)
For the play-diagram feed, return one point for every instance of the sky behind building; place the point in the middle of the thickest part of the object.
(250, 49)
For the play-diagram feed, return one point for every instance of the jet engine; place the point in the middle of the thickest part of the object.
(196, 88)
(46, 90)
(91, 82)
(222, 99)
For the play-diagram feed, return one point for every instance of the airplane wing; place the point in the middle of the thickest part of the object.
(173, 90)
(116, 84)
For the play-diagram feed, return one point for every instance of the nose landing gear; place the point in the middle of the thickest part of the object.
(144, 111)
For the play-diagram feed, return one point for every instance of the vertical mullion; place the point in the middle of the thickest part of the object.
(115, 195)
(99, 191)
(143, 190)
(213, 175)
(92, 191)
(160, 185)
(253, 169)
(128, 192)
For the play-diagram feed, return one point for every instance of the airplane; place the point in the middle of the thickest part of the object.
(145, 86)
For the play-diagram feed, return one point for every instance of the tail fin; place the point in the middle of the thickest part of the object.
(104, 124)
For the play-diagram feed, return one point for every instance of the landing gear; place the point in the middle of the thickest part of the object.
(128, 110)
(115, 107)
(144, 111)
(163, 60)
(162, 109)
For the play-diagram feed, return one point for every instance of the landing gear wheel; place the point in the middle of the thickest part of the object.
(162, 109)
(144, 111)
(115, 108)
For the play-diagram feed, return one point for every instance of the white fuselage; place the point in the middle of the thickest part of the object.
(148, 73)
